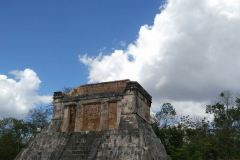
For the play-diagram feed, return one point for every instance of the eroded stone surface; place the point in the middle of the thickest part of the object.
(104, 121)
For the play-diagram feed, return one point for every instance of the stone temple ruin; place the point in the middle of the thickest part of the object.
(103, 121)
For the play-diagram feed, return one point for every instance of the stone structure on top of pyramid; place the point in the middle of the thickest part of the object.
(102, 121)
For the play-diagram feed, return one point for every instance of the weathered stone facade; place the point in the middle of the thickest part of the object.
(104, 121)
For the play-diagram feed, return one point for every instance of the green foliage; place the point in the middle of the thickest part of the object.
(204, 140)
(166, 116)
(9, 146)
(15, 134)
(39, 117)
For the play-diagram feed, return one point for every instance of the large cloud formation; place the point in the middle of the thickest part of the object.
(20, 94)
(189, 54)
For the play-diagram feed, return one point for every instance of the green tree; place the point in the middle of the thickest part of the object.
(39, 117)
(201, 139)
(14, 134)
(226, 127)
(167, 115)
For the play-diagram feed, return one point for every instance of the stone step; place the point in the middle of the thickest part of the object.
(79, 146)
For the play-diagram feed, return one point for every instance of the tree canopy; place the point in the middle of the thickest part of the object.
(15, 133)
(202, 139)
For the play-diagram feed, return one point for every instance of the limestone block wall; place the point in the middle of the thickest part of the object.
(90, 116)
(58, 109)
(135, 102)
(142, 107)
(105, 87)
(98, 107)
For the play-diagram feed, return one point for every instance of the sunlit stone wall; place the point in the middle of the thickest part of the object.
(98, 107)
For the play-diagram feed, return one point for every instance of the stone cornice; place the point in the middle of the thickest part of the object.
(88, 91)
(133, 85)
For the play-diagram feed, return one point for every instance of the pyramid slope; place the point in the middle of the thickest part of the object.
(105, 121)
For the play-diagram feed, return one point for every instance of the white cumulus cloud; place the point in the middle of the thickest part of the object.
(189, 54)
(20, 94)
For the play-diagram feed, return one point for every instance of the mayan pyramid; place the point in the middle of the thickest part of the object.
(103, 121)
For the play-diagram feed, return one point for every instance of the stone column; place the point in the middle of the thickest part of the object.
(104, 116)
(65, 121)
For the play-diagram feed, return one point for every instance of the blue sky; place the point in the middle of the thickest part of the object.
(48, 36)
(185, 54)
